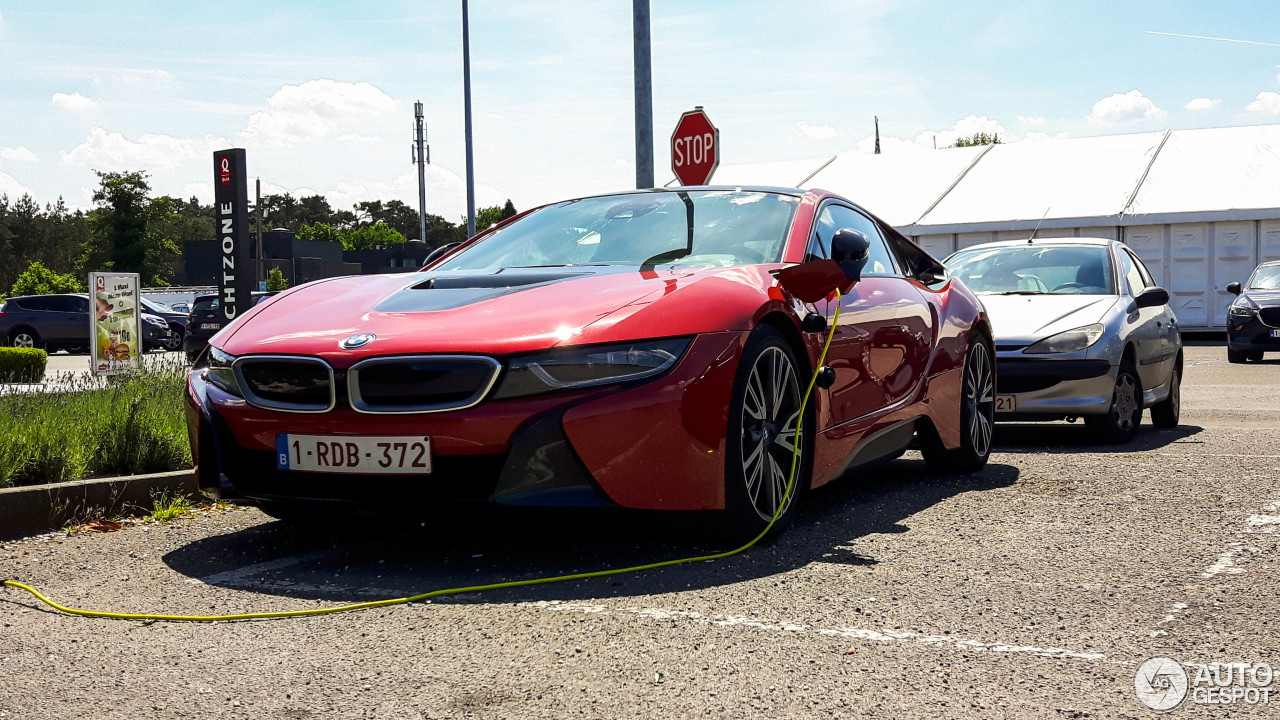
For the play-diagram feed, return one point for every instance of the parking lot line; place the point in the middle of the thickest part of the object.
(232, 576)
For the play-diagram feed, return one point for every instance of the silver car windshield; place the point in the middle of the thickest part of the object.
(1035, 270)
(1265, 278)
(706, 227)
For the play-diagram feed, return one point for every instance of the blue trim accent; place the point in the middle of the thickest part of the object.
(282, 451)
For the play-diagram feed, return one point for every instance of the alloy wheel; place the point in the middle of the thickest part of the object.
(979, 397)
(770, 414)
(23, 340)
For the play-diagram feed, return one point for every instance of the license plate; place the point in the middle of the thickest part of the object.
(210, 326)
(366, 455)
(1275, 333)
(1006, 403)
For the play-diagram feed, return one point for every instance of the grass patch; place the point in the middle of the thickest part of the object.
(124, 425)
(166, 507)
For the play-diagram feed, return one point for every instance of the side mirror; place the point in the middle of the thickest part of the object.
(439, 252)
(814, 281)
(849, 249)
(1152, 297)
(1234, 288)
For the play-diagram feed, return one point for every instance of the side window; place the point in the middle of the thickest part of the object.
(1131, 275)
(1142, 269)
(37, 303)
(837, 217)
(80, 305)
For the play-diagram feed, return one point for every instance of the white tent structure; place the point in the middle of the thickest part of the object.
(1200, 207)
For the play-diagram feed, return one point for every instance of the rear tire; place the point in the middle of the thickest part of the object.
(1122, 419)
(977, 416)
(1165, 414)
(1236, 356)
(174, 341)
(761, 439)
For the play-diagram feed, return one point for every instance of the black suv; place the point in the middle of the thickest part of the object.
(205, 321)
(177, 321)
(61, 322)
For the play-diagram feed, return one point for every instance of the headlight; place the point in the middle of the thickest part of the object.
(155, 321)
(218, 367)
(573, 368)
(1242, 307)
(1069, 341)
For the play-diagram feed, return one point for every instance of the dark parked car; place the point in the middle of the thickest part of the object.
(1253, 320)
(205, 321)
(176, 319)
(61, 322)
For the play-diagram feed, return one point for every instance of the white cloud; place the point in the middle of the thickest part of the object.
(1202, 103)
(17, 154)
(446, 193)
(1267, 102)
(75, 102)
(966, 127)
(106, 151)
(12, 188)
(1038, 136)
(201, 191)
(1031, 119)
(315, 110)
(1124, 110)
(147, 75)
(624, 164)
(816, 132)
(358, 139)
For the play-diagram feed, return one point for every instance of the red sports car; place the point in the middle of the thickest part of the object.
(646, 349)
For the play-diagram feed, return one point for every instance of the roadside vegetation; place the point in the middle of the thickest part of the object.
(127, 425)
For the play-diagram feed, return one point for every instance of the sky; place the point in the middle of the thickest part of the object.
(321, 94)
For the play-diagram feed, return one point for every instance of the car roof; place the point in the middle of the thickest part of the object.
(1042, 242)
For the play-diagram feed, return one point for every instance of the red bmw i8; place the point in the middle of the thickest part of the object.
(645, 349)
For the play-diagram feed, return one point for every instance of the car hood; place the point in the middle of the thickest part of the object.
(1264, 298)
(498, 312)
(1028, 318)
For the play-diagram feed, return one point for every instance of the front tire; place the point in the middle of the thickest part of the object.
(1236, 356)
(762, 438)
(174, 341)
(25, 338)
(977, 416)
(1121, 421)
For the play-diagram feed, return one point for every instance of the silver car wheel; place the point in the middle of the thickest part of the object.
(23, 340)
(770, 412)
(1124, 404)
(979, 395)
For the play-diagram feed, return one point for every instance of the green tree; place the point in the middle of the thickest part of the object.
(485, 217)
(40, 280)
(276, 281)
(371, 237)
(978, 138)
(129, 228)
(320, 231)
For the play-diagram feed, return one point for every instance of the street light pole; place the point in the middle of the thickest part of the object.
(466, 114)
(644, 93)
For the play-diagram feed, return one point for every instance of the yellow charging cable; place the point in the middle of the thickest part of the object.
(786, 497)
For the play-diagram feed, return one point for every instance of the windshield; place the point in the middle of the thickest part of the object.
(724, 228)
(1034, 270)
(1265, 278)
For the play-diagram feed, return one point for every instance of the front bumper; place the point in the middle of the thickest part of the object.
(1053, 387)
(655, 445)
(1249, 334)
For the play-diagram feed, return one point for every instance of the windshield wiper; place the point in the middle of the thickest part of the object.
(1022, 292)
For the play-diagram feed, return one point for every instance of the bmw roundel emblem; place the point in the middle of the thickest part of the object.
(357, 341)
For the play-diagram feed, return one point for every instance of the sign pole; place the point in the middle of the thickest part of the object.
(231, 225)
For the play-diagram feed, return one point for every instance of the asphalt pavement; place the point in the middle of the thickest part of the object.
(1035, 588)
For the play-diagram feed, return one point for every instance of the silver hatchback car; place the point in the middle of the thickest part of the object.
(1081, 330)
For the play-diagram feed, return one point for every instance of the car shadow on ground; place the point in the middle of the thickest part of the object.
(1065, 437)
(376, 557)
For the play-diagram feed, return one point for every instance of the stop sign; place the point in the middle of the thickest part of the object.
(695, 148)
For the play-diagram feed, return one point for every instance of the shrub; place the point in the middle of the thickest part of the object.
(276, 281)
(40, 280)
(24, 365)
(130, 424)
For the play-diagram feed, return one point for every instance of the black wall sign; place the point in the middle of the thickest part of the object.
(231, 224)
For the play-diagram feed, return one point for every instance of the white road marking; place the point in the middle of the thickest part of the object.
(231, 576)
(883, 635)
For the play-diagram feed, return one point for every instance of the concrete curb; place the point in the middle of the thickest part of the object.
(40, 508)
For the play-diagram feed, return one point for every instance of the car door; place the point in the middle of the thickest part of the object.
(79, 319)
(1144, 327)
(48, 318)
(1168, 340)
(884, 330)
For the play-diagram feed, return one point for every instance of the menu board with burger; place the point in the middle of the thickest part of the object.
(117, 323)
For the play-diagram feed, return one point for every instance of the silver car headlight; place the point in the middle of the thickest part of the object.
(581, 367)
(1069, 341)
(219, 371)
(153, 320)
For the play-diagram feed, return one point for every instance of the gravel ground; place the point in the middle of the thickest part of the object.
(1032, 589)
